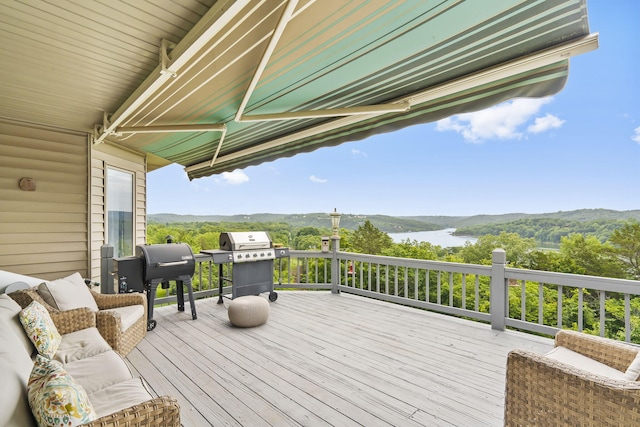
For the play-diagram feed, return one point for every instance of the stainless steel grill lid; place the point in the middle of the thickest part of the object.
(166, 261)
(244, 240)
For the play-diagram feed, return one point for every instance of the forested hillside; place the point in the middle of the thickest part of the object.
(581, 215)
(388, 224)
(546, 230)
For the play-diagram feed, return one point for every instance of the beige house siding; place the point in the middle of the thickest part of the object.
(43, 232)
(104, 156)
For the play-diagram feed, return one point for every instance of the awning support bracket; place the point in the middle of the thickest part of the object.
(165, 47)
(215, 155)
(275, 37)
(100, 131)
(296, 115)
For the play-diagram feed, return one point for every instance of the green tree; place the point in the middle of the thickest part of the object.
(412, 249)
(626, 241)
(307, 238)
(518, 249)
(591, 257)
(368, 239)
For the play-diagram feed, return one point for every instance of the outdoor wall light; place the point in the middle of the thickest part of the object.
(27, 184)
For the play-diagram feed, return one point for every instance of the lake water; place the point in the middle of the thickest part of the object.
(443, 238)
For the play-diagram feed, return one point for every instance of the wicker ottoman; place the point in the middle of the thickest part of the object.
(248, 311)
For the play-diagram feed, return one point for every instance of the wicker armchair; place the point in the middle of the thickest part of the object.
(108, 322)
(544, 392)
(163, 411)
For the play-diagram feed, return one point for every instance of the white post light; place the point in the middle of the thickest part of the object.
(335, 223)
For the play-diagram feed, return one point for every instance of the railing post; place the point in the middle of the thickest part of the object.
(498, 290)
(335, 264)
(106, 269)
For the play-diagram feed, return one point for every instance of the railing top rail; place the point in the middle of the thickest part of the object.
(453, 267)
(575, 280)
(299, 253)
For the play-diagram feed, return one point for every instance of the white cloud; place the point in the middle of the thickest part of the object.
(314, 178)
(235, 177)
(273, 170)
(636, 135)
(503, 121)
(356, 152)
(542, 124)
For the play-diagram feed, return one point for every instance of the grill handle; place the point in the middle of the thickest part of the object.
(171, 264)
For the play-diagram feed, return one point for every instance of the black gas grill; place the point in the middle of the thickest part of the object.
(251, 255)
(164, 263)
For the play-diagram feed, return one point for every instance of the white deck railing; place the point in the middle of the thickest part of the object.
(496, 294)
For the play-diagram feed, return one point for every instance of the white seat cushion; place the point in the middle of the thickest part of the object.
(129, 314)
(10, 320)
(15, 367)
(14, 410)
(99, 371)
(68, 293)
(119, 396)
(80, 345)
(577, 360)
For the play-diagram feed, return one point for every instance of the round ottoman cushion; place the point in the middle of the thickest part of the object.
(248, 311)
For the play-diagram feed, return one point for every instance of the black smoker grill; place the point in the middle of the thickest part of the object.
(251, 255)
(164, 263)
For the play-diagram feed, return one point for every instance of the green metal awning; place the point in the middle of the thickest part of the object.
(256, 81)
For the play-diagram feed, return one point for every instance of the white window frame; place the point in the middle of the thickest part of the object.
(109, 202)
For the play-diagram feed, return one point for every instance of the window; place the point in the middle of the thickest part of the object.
(120, 192)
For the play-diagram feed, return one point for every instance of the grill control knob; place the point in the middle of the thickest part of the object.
(255, 255)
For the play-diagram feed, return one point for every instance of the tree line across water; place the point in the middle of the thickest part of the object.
(547, 230)
(617, 257)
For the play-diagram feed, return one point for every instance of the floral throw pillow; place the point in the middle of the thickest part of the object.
(38, 325)
(55, 398)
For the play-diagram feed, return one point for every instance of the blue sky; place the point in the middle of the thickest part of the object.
(578, 149)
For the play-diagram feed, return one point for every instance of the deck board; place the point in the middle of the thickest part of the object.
(325, 359)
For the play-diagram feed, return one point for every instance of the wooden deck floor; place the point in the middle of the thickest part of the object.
(325, 359)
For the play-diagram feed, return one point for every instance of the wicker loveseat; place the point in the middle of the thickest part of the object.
(85, 373)
(120, 318)
(571, 389)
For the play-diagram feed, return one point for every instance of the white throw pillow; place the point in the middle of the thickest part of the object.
(68, 293)
(633, 371)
